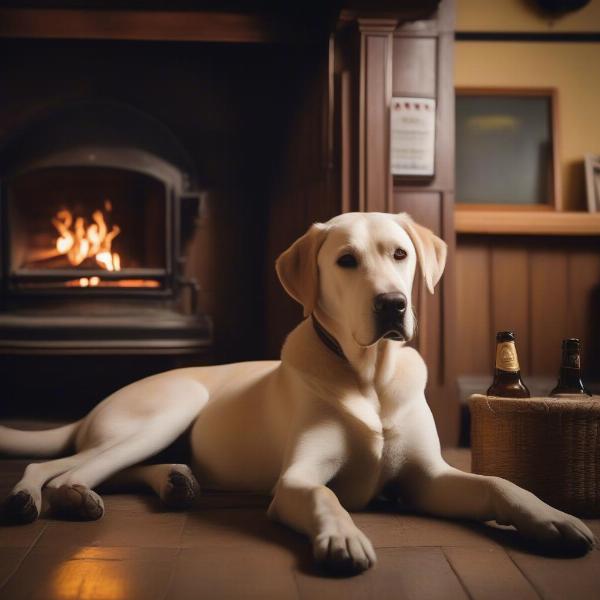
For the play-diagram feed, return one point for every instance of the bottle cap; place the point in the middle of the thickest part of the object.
(571, 344)
(506, 336)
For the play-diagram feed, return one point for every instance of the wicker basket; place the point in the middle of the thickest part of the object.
(549, 446)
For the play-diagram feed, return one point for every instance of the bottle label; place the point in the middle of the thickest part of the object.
(506, 357)
(572, 360)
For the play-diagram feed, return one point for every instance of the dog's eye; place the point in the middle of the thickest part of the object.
(347, 261)
(399, 254)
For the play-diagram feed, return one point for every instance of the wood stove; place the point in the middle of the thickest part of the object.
(98, 203)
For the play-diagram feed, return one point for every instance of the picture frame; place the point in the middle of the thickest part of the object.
(507, 181)
(592, 182)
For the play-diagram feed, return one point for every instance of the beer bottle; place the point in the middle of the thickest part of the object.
(507, 375)
(569, 381)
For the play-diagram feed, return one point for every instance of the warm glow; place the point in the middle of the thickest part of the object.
(92, 574)
(105, 283)
(77, 240)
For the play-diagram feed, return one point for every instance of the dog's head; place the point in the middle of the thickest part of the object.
(355, 272)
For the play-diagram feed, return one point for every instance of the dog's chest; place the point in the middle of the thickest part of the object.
(393, 457)
(375, 457)
(372, 463)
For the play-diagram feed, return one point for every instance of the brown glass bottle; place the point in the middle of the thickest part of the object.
(507, 375)
(569, 381)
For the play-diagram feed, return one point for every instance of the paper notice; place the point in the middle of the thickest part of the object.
(412, 139)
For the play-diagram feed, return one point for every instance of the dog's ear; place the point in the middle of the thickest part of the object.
(297, 267)
(431, 250)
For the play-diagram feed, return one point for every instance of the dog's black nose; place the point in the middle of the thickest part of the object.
(392, 302)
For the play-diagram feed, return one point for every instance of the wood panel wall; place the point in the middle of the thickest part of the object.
(544, 289)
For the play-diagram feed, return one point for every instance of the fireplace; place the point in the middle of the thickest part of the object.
(98, 207)
(88, 227)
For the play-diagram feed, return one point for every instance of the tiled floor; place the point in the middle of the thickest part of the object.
(227, 548)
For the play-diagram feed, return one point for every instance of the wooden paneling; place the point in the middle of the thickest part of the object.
(549, 308)
(544, 289)
(414, 67)
(473, 308)
(376, 150)
(583, 281)
(508, 296)
(375, 94)
(444, 134)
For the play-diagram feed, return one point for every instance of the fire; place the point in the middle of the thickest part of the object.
(77, 240)
(88, 281)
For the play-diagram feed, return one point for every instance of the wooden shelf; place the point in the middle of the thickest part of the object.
(521, 222)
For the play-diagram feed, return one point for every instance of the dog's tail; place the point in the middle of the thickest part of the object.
(46, 443)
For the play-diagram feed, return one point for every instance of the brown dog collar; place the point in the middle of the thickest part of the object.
(328, 339)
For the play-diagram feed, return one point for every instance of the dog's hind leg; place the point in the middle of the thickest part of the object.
(24, 504)
(71, 493)
(174, 484)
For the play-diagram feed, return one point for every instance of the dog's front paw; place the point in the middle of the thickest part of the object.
(556, 531)
(345, 551)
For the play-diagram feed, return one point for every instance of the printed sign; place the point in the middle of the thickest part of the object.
(412, 139)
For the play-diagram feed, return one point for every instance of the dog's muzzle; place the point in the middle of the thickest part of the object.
(390, 310)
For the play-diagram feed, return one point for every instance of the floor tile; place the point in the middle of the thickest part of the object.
(418, 530)
(400, 574)
(489, 574)
(226, 528)
(236, 572)
(9, 561)
(21, 536)
(561, 578)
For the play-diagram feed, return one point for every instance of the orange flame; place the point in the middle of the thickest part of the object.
(81, 241)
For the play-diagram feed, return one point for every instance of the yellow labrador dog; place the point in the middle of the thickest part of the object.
(339, 420)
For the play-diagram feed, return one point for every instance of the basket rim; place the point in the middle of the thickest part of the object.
(536, 404)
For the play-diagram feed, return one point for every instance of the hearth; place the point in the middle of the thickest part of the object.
(98, 204)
